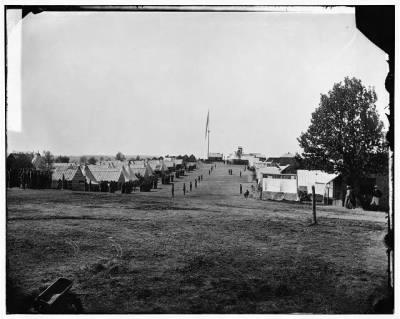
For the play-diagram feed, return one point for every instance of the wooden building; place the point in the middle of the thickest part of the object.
(68, 177)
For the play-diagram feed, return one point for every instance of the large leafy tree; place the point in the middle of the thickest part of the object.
(92, 160)
(49, 158)
(83, 159)
(345, 135)
(120, 156)
(19, 160)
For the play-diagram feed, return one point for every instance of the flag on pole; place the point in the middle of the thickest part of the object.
(208, 122)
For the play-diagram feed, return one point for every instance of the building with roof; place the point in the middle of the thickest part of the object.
(285, 159)
(271, 171)
(100, 174)
(277, 184)
(215, 157)
(71, 176)
(39, 162)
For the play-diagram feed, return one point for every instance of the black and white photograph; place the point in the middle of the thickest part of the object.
(199, 159)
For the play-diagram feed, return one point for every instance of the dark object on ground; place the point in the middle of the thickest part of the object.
(389, 240)
(56, 299)
(304, 196)
(384, 305)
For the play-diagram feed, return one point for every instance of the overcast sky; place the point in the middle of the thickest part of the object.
(142, 82)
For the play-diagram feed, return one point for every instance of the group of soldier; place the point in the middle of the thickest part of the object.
(197, 180)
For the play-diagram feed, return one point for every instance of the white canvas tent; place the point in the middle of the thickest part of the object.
(280, 187)
(322, 181)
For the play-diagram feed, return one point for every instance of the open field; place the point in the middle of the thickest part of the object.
(210, 251)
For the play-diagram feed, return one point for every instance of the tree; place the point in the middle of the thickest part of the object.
(92, 160)
(49, 158)
(345, 135)
(83, 159)
(192, 158)
(120, 157)
(19, 160)
(62, 159)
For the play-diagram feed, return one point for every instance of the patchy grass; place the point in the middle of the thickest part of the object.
(210, 251)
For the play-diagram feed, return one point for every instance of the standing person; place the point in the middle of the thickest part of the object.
(240, 173)
(123, 188)
(246, 194)
(240, 188)
(23, 178)
(349, 199)
(376, 195)
(184, 188)
(195, 183)
(198, 178)
(209, 172)
(172, 190)
(190, 186)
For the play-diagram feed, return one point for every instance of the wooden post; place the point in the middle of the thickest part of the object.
(314, 206)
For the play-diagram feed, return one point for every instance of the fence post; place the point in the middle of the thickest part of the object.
(314, 205)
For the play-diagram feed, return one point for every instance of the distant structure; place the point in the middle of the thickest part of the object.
(240, 158)
(285, 159)
(215, 157)
(39, 162)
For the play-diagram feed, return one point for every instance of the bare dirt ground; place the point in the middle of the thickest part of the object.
(210, 251)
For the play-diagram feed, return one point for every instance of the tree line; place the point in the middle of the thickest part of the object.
(24, 159)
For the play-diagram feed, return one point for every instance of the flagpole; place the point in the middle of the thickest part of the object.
(208, 133)
(208, 148)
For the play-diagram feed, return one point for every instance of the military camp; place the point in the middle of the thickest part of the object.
(199, 160)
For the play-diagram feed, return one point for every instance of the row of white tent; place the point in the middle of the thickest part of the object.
(276, 184)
